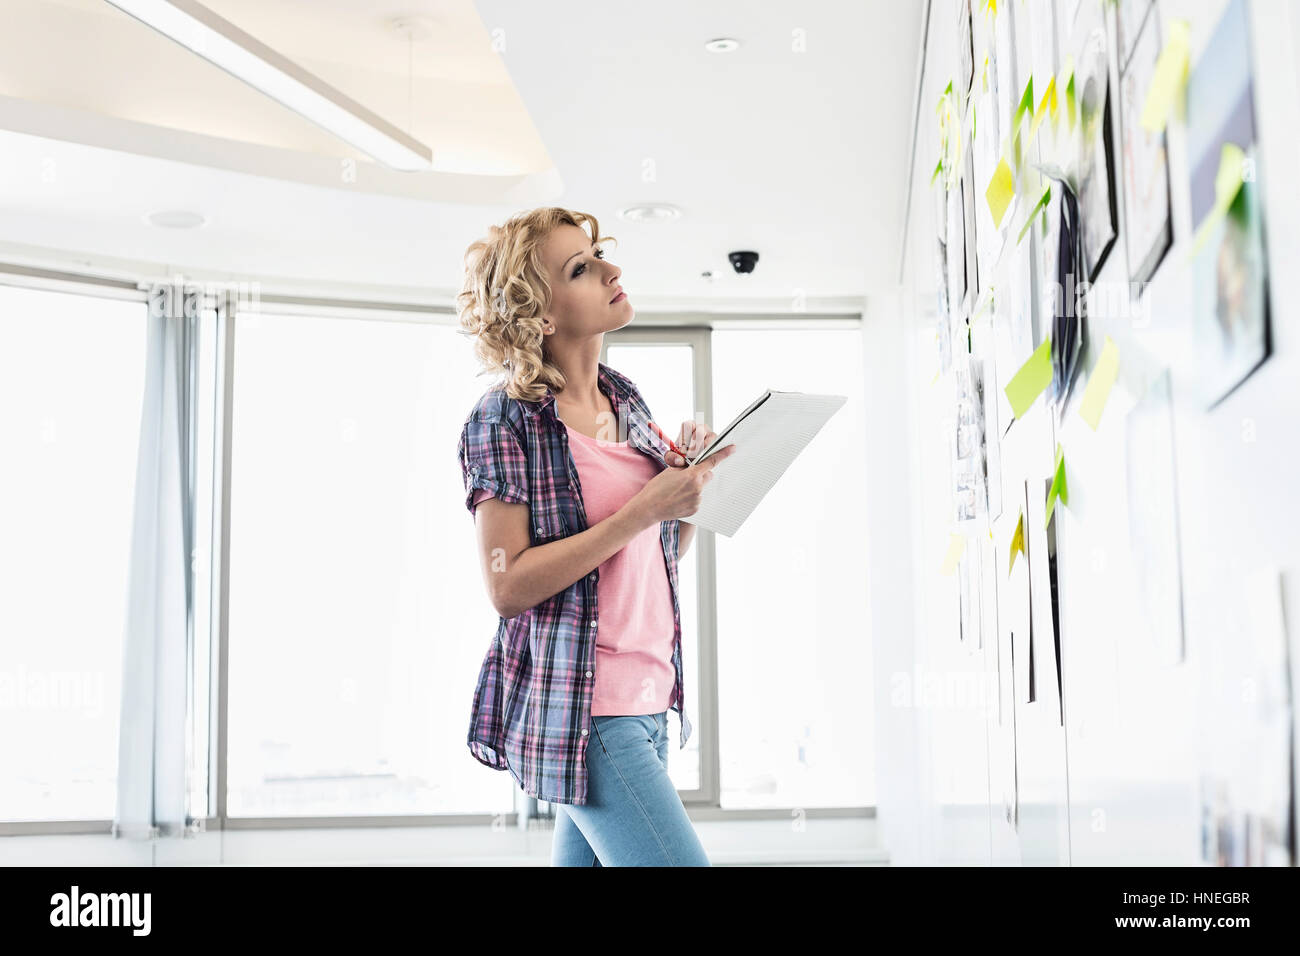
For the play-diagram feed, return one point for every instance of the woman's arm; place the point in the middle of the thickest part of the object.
(520, 575)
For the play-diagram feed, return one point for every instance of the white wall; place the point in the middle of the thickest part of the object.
(1118, 781)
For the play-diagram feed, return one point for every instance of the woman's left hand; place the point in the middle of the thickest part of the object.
(693, 438)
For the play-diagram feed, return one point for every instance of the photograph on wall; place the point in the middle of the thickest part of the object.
(1026, 666)
(1044, 621)
(965, 49)
(988, 391)
(943, 315)
(970, 191)
(1147, 221)
(1153, 519)
(1002, 733)
(1053, 589)
(987, 150)
(1096, 164)
(1229, 267)
(1130, 15)
(1061, 305)
(1013, 323)
(943, 307)
(955, 252)
(1246, 731)
(1001, 64)
(970, 480)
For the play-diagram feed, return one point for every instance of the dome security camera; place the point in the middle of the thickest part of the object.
(743, 262)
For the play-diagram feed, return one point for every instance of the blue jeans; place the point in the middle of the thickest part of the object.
(633, 816)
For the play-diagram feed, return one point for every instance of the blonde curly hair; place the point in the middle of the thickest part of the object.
(506, 294)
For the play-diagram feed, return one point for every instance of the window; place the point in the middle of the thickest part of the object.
(794, 644)
(71, 393)
(358, 615)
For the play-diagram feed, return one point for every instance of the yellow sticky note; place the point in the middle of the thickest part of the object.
(936, 377)
(1034, 376)
(1002, 187)
(1099, 383)
(1169, 78)
(1017, 541)
(1227, 184)
(956, 545)
(1058, 489)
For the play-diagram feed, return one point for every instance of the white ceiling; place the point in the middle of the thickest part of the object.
(800, 154)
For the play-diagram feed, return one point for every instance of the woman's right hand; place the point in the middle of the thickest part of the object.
(675, 492)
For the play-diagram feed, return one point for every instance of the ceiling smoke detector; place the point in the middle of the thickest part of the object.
(722, 45)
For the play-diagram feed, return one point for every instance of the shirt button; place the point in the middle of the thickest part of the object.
(539, 529)
(584, 731)
(588, 673)
(593, 622)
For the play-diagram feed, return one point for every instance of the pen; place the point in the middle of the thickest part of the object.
(671, 443)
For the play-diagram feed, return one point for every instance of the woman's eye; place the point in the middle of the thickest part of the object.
(600, 254)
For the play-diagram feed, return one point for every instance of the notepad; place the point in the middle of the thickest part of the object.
(768, 436)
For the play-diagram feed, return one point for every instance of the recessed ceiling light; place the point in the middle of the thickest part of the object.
(650, 212)
(722, 45)
(175, 219)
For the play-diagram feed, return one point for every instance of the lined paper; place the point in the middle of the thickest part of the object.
(768, 436)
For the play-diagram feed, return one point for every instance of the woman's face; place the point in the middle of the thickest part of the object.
(583, 286)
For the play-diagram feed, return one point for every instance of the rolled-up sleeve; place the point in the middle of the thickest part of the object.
(492, 458)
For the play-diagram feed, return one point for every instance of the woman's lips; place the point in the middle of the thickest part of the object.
(618, 298)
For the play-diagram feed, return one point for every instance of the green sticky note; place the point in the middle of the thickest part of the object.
(1001, 188)
(1029, 220)
(1227, 185)
(1017, 541)
(1034, 376)
(1026, 104)
(1071, 106)
(956, 545)
(1058, 489)
(1099, 383)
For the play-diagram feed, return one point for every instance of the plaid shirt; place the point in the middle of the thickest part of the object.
(532, 704)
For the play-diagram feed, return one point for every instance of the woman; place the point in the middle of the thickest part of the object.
(579, 539)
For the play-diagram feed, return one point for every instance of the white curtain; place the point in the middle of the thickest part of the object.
(153, 757)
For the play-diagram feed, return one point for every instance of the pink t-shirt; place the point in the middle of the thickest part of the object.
(634, 635)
